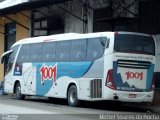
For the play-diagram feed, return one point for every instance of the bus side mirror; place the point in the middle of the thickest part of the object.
(107, 43)
(4, 55)
(2, 60)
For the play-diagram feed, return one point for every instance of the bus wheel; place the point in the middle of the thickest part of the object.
(18, 94)
(72, 96)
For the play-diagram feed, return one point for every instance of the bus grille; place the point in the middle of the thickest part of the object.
(96, 88)
(134, 64)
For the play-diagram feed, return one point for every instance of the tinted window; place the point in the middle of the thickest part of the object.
(78, 50)
(35, 52)
(95, 48)
(62, 51)
(23, 55)
(13, 54)
(134, 44)
(12, 57)
(48, 53)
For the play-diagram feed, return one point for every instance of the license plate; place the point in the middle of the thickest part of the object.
(132, 95)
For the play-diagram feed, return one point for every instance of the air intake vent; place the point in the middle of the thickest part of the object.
(96, 88)
(134, 64)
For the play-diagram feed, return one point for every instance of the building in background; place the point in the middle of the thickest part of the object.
(29, 18)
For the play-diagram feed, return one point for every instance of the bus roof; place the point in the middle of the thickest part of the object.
(66, 36)
(57, 37)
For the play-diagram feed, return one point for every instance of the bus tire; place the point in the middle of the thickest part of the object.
(18, 94)
(73, 97)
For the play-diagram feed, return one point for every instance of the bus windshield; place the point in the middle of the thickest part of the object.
(130, 43)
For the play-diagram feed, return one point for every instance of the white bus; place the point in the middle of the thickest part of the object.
(116, 66)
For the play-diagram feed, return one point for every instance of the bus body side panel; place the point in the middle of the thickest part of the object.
(8, 84)
(90, 85)
(28, 79)
(52, 78)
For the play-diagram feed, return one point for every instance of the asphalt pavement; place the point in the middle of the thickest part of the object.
(40, 108)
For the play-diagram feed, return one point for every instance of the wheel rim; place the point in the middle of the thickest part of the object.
(73, 96)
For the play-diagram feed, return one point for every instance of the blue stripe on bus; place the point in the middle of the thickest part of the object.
(70, 69)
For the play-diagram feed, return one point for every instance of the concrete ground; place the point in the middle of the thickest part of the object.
(153, 107)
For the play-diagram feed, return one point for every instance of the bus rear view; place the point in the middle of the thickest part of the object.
(131, 78)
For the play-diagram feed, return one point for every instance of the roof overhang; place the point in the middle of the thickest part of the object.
(26, 5)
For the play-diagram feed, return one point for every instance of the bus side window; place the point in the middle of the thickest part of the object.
(62, 51)
(78, 50)
(23, 55)
(35, 52)
(95, 49)
(48, 53)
